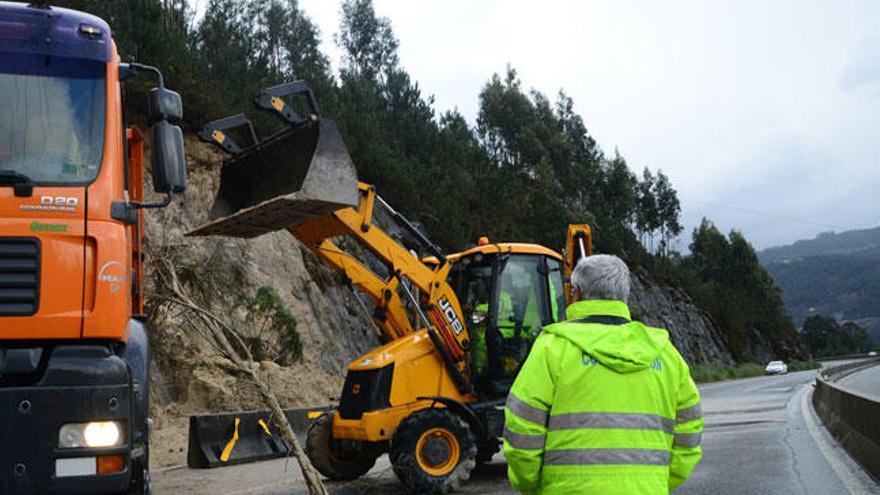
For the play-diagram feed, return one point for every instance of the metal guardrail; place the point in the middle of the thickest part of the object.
(861, 355)
(837, 372)
(853, 419)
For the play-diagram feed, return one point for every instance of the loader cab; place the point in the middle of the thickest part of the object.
(509, 293)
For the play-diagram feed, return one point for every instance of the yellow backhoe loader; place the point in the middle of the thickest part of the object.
(455, 327)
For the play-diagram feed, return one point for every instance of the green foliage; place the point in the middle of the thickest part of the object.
(527, 169)
(368, 43)
(713, 373)
(798, 365)
(703, 373)
(657, 210)
(266, 311)
(203, 280)
(825, 337)
(724, 277)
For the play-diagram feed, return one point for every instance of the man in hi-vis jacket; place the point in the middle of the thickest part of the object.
(603, 404)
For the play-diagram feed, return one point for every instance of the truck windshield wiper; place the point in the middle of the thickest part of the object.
(22, 184)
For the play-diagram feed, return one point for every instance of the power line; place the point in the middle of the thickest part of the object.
(772, 215)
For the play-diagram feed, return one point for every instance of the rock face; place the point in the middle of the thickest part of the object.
(187, 372)
(690, 328)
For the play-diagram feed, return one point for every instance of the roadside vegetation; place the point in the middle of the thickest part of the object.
(703, 373)
(825, 337)
(714, 373)
(804, 365)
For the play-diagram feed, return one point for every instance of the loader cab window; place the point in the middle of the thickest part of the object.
(507, 299)
(471, 278)
(521, 308)
(556, 289)
(52, 126)
(519, 297)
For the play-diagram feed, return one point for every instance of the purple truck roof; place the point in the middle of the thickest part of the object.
(53, 31)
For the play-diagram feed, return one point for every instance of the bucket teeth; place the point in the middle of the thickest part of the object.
(299, 174)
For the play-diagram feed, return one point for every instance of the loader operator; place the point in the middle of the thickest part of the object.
(517, 321)
(500, 349)
(603, 404)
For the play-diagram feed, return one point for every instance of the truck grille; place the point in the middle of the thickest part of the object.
(19, 276)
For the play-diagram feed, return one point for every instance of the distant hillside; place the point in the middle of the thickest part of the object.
(833, 274)
(825, 244)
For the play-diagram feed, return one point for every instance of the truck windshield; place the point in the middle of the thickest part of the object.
(52, 123)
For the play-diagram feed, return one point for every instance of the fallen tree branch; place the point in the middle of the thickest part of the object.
(217, 332)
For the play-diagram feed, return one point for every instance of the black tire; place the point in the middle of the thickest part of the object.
(486, 451)
(140, 476)
(140, 483)
(433, 451)
(338, 461)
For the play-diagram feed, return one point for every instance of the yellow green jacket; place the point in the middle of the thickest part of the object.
(602, 408)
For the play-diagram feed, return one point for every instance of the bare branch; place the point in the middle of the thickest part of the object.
(216, 332)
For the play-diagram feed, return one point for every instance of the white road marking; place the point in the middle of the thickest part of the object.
(849, 480)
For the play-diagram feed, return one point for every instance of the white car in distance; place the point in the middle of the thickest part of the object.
(776, 368)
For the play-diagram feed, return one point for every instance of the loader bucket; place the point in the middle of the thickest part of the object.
(296, 175)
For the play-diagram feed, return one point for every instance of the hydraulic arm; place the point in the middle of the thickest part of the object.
(302, 180)
(438, 308)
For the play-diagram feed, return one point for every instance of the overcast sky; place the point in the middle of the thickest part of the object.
(765, 114)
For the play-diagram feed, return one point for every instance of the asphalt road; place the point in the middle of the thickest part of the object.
(866, 382)
(761, 437)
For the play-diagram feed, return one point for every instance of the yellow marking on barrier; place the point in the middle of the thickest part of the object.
(265, 426)
(278, 103)
(218, 136)
(227, 451)
(313, 414)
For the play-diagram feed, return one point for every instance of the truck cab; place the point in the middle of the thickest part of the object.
(73, 343)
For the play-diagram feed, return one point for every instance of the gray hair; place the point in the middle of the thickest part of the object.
(601, 276)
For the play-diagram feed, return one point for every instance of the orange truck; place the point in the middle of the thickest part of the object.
(74, 381)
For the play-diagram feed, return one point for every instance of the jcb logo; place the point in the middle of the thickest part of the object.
(451, 317)
(58, 201)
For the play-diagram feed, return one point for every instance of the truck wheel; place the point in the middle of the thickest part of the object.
(433, 451)
(338, 460)
(140, 475)
(141, 485)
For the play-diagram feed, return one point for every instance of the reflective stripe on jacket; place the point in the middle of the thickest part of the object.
(601, 408)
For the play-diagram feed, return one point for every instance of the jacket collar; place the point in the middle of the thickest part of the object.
(583, 309)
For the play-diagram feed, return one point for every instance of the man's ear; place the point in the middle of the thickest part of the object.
(575, 293)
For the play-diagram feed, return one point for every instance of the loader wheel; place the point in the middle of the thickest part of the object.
(486, 451)
(433, 451)
(335, 459)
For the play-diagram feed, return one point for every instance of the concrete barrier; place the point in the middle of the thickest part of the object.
(853, 419)
(224, 439)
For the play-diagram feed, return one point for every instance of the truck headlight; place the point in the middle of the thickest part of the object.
(94, 434)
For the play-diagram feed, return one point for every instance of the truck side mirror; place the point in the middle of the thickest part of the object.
(169, 161)
(165, 105)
